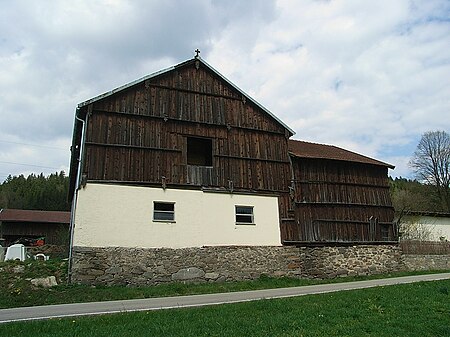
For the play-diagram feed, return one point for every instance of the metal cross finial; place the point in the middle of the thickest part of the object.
(197, 52)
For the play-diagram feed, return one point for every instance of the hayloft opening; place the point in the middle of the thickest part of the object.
(199, 151)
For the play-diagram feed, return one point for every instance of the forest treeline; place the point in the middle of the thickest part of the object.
(411, 195)
(37, 192)
(49, 193)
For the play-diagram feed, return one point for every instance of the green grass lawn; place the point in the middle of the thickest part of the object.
(419, 309)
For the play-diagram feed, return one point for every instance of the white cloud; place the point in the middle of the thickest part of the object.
(367, 76)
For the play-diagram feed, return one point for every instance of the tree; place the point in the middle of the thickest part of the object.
(411, 195)
(412, 229)
(430, 163)
(36, 192)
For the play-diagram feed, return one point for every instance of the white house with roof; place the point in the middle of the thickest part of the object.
(427, 226)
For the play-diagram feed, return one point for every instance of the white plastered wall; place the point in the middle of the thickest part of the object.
(437, 226)
(122, 216)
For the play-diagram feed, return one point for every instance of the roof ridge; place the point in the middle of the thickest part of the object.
(304, 141)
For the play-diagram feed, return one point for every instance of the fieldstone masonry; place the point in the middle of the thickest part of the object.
(139, 266)
(331, 262)
(426, 262)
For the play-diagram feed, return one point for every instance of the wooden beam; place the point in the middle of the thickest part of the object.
(133, 147)
(350, 221)
(165, 118)
(308, 203)
(316, 182)
(185, 186)
(196, 92)
(252, 158)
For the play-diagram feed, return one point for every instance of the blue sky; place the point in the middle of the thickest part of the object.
(368, 76)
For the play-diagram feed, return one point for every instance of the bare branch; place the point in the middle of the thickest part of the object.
(431, 161)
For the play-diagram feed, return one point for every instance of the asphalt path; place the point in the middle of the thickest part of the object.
(109, 307)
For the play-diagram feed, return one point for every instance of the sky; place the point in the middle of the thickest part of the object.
(368, 76)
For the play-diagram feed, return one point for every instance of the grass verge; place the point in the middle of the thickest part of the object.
(17, 291)
(419, 309)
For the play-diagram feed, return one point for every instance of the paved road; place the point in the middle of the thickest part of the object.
(97, 308)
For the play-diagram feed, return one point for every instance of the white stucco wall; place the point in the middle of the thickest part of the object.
(114, 215)
(437, 226)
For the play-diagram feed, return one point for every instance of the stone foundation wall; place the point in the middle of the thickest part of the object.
(426, 262)
(331, 262)
(138, 266)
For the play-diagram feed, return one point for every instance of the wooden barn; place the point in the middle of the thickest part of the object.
(338, 197)
(184, 158)
(52, 226)
(179, 158)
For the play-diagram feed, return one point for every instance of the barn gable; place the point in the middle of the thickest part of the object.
(154, 116)
(172, 142)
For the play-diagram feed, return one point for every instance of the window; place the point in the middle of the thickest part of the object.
(164, 211)
(384, 232)
(244, 215)
(199, 151)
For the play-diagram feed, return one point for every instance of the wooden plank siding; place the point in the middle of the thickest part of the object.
(116, 151)
(54, 234)
(339, 201)
(139, 135)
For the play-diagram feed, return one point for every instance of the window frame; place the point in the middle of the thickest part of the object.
(159, 211)
(384, 232)
(251, 215)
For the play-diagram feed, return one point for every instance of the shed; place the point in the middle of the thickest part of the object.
(31, 224)
(338, 197)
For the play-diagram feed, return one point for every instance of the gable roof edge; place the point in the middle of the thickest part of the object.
(125, 86)
(247, 96)
(163, 71)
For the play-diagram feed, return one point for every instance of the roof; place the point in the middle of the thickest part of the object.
(303, 149)
(22, 215)
(428, 213)
(167, 70)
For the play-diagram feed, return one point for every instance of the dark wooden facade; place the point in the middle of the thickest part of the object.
(140, 135)
(338, 201)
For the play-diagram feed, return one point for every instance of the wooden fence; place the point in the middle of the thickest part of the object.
(425, 247)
